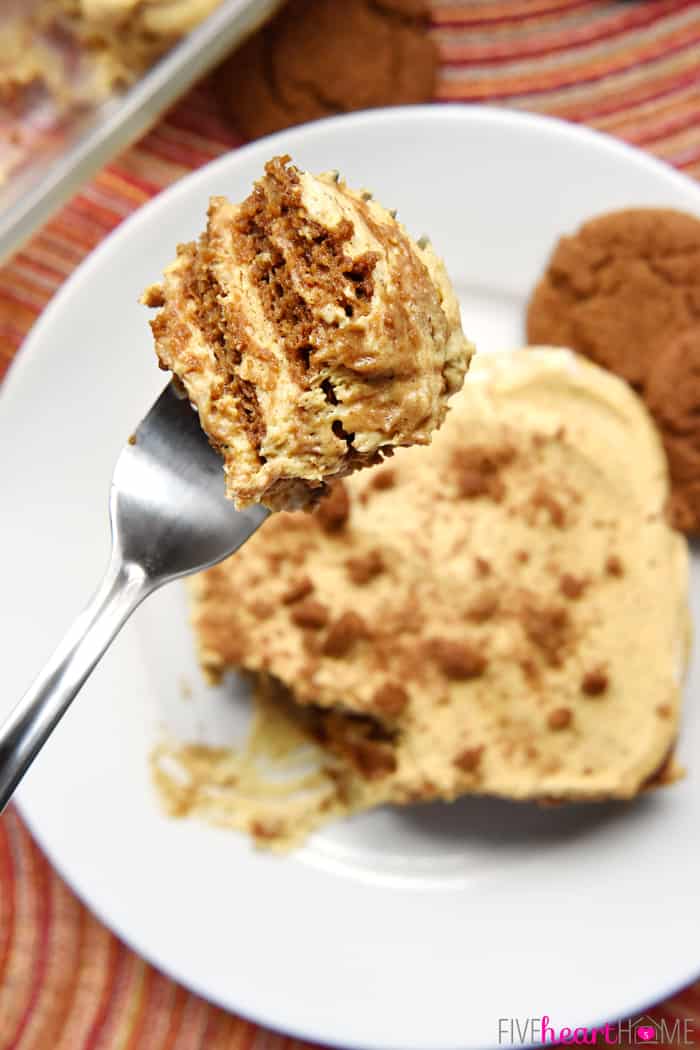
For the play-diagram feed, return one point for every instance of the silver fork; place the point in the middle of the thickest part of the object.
(169, 518)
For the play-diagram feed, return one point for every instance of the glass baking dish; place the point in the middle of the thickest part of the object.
(71, 153)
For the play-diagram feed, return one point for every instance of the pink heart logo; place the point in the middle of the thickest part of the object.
(645, 1033)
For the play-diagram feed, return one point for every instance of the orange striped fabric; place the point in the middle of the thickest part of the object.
(629, 68)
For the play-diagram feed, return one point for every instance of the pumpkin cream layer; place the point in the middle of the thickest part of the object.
(502, 613)
(311, 334)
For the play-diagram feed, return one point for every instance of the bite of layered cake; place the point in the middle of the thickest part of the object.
(310, 332)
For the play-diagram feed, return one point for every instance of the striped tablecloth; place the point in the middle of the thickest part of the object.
(629, 68)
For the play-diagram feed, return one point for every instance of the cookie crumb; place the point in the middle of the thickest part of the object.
(309, 613)
(342, 635)
(543, 499)
(529, 669)
(297, 590)
(483, 607)
(373, 760)
(478, 472)
(153, 296)
(261, 609)
(365, 568)
(333, 511)
(549, 628)
(457, 660)
(390, 698)
(595, 682)
(614, 566)
(266, 830)
(559, 718)
(572, 586)
(469, 759)
(383, 479)
(482, 566)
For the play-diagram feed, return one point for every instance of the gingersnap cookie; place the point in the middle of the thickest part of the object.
(625, 291)
(318, 58)
(673, 395)
(619, 287)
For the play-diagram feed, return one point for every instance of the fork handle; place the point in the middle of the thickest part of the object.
(32, 721)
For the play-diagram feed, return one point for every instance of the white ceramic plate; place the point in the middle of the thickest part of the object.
(411, 930)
